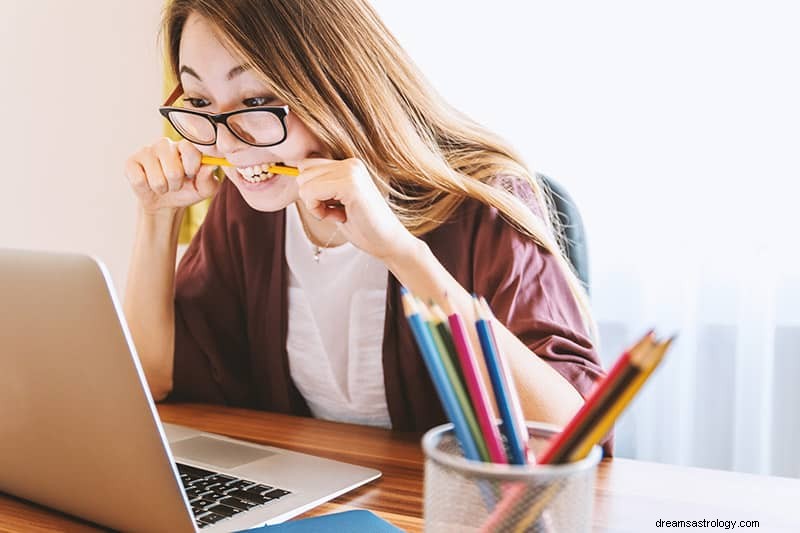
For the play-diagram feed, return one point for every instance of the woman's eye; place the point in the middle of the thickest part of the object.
(257, 101)
(197, 102)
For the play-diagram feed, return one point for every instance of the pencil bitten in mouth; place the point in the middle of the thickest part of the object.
(256, 173)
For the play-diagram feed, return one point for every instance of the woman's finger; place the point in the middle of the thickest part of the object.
(137, 177)
(323, 189)
(155, 174)
(205, 182)
(171, 164)
(309, 163)
(190, 158)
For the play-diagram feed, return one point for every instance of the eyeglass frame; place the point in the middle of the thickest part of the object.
(222, 118)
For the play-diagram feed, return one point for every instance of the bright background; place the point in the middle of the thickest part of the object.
(675, 127)
(81, 81)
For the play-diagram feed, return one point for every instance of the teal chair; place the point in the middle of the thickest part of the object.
(572, 224)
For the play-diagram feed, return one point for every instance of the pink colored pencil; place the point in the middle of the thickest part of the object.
(475, 386)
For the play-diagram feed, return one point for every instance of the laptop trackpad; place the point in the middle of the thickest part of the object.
(216, 452)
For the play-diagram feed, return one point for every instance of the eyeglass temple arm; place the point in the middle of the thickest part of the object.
(176, 92)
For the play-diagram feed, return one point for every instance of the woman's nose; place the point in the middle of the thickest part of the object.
(227, 142)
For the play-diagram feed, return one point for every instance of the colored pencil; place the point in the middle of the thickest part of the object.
(629, 374)
(638, 364)
(647, 363)
(440, 320)
(439, 377)
(516, 407)
(555, 451)
(475, 385)
(514, 428)
(448, 359)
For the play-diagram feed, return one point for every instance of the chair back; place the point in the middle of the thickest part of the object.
(572, 226)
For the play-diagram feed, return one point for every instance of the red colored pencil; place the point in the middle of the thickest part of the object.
(556, 447)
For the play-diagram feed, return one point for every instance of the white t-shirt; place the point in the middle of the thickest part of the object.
(337, 308)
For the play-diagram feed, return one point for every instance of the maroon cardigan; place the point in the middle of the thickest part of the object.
(231, 310)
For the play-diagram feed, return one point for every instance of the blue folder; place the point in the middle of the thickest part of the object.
(345, 522)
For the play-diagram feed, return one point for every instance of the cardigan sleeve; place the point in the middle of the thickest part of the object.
(210, 363)
(528, 292)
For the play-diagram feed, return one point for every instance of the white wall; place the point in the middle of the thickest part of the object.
(81, 82)
(696, 102)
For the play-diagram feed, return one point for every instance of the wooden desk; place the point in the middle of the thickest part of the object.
(630, 495)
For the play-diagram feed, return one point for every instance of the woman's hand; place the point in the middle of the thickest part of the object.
(366, 219)
(167, 176)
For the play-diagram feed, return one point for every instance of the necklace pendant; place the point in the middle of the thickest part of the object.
(317, 251)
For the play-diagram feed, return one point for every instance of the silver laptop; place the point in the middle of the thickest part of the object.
(79, 431)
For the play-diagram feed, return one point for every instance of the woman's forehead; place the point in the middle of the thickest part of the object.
(214, 66)
(205, 57)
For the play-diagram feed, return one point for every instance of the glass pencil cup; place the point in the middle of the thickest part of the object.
(463, 495)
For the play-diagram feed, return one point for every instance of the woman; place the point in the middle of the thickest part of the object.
(288, 297)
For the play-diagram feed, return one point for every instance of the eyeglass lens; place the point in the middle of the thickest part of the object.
(255, 127)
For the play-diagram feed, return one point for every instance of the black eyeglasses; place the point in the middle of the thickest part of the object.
(257, 126)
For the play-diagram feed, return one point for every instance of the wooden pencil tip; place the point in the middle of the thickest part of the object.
(487, 311)
(648, 339)
(657, 353)
(438, 313)
(476, 305)
(447, 305)
(409, 304)
(642, 352)
(423, 310)
(667, 343)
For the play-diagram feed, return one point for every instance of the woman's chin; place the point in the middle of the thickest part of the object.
(267, 196)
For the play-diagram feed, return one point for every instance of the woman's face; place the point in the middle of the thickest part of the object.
(215, 82)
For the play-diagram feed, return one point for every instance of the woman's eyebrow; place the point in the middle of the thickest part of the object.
(235, 71)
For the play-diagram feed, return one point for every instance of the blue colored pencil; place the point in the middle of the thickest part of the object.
(439, 377)
(504, 391)
(444, 345)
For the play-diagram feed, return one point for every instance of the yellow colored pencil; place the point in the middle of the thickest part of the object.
(604, 425)
(537, 509)
(650, 359)
(275, 169)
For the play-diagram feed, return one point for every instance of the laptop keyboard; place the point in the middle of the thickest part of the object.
(215, 496)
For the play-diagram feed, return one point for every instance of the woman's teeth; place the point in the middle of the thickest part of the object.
(255, 174)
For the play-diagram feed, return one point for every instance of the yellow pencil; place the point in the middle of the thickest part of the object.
(604, 425)
(275, 169)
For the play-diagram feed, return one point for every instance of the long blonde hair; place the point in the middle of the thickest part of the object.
(347, 78)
